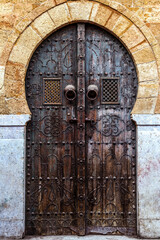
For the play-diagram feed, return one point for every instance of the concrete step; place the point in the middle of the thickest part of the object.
(88, 237)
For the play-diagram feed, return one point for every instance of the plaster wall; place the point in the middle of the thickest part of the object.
(12, 174)
(148, 177)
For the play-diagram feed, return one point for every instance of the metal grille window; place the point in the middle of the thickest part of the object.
(51, 91)
(110, 91)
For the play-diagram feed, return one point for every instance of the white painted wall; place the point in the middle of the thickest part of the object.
(12, 174)
(148, 174)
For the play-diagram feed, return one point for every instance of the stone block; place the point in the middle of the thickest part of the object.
(148, 89)
(22, 9)
(156, 49)
(17, 106)
(115, 5)
(15, 89)
(80, 10)
(154, 27)
(121, 25)
(41, 9)
(112, 20)
(3, 105)
(157, 109)
(140, 3)
(2, 69)
(105, 2)
(138, 21)
(49, 3)
(144, 106)
(7, 21)
(151, 3)
(24, 47)
(22, 24)
(60, 15)
(144, 55)
(2, 93)
(60, 1)
(158, 38)
(20, 54)
(138, 47)
(29, 39)
(151, 14)
(6, 8)
(130, 11)
(12, 38)
(15, 71)
(1, 50)
(147, 71)
(5, 53)
(43, 25)
(100, 14)
(149, 35)
(132, 37)
(127, 3)
(3, 37)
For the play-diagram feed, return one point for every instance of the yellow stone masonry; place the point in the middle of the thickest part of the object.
(24, 25)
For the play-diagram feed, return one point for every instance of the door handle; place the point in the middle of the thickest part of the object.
(92, 92)
(70, 92)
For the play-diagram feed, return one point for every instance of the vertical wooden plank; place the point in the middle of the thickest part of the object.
(51, 172)
(81, 127)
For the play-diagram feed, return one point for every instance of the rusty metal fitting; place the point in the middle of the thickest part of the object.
(92, 92)
(70, 92)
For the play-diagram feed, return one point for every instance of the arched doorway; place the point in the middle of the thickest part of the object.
(81, 86)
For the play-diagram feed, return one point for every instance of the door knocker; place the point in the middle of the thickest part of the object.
(92, 92)
(70, 92)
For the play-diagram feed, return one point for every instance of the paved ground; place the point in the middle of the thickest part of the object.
(89, 237)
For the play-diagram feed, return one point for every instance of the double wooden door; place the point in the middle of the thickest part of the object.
(81, 86)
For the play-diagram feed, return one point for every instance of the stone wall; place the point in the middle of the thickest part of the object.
(24, 24)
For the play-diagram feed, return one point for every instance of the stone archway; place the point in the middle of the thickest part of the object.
(140, 46)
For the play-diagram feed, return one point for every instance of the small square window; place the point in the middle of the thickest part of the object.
(110, 91)
(52, 91)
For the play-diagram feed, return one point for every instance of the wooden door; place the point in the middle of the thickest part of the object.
(81, 86)
(110, 136)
